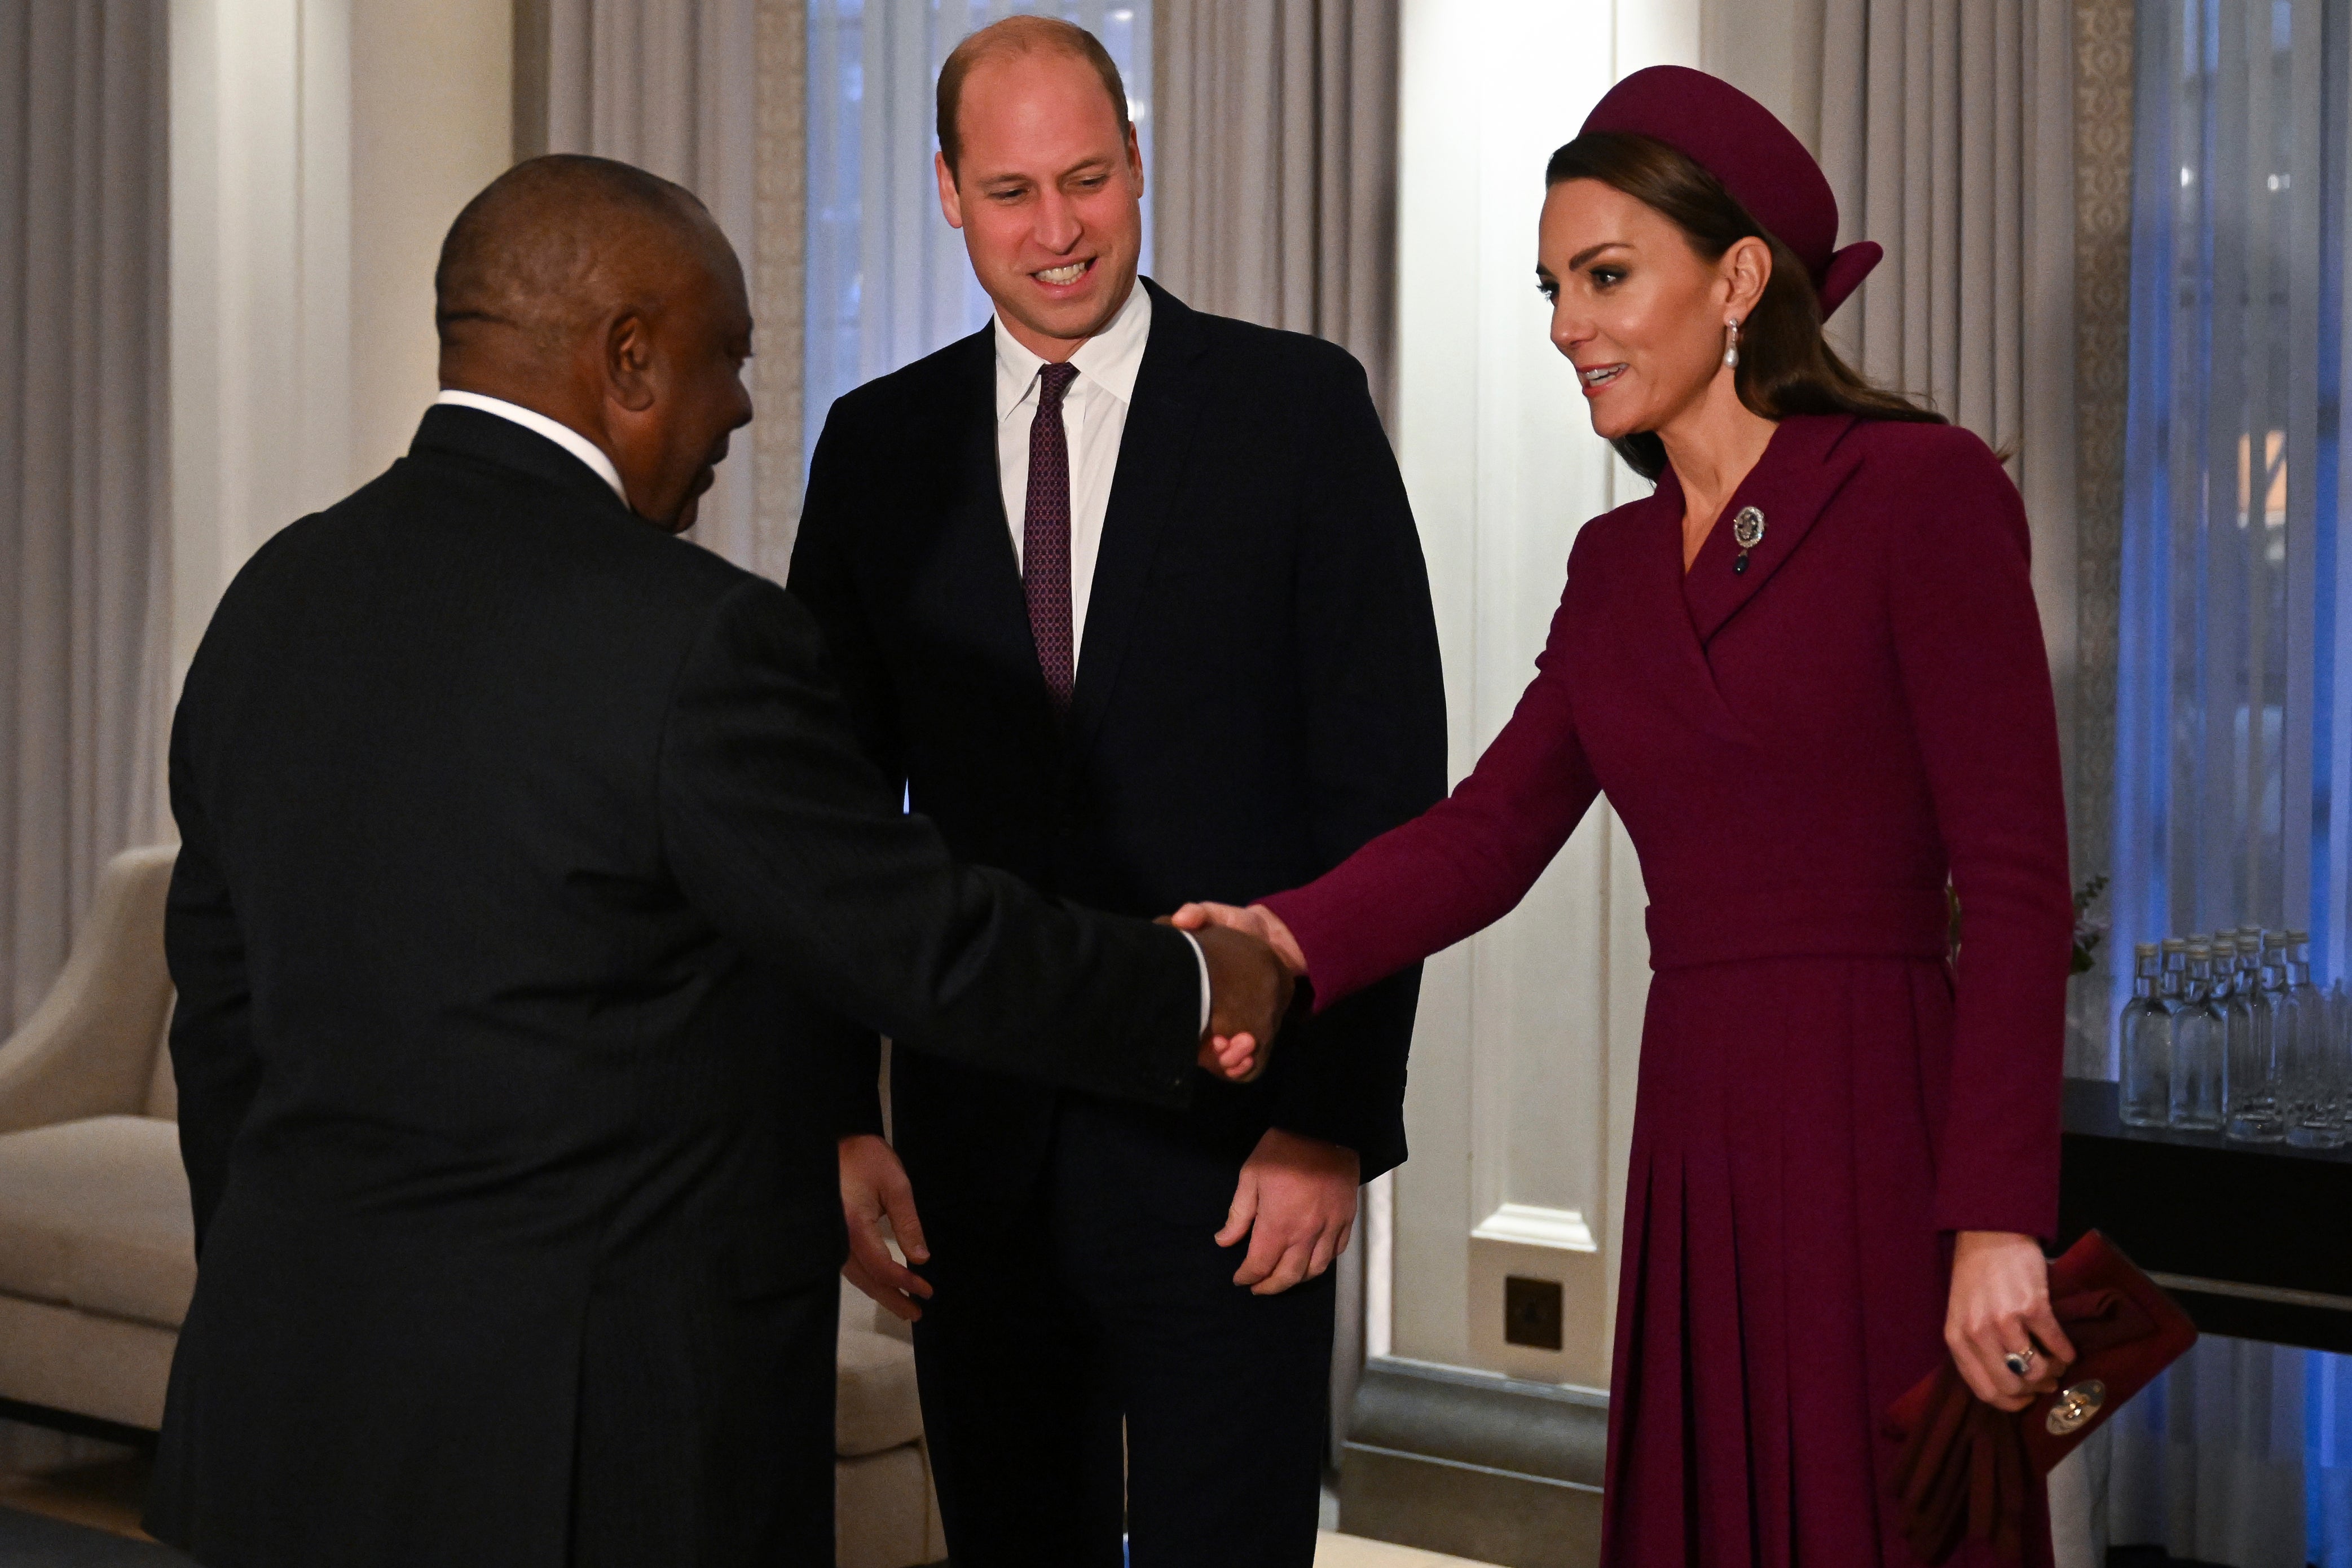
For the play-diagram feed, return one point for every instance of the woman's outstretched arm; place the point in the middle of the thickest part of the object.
(1452, 870)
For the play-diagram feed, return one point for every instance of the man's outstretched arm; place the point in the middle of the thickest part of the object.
(786, 837)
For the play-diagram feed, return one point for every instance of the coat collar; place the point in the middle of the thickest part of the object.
(487, 437)
(1678, 614)
(1805, 465)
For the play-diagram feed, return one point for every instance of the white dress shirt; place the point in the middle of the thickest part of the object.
(588, 452)
(530, 419)
(1094, 419)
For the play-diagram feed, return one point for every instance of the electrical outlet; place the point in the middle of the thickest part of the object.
(1531, 1313)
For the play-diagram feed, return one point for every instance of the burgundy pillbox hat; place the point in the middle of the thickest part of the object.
(1759, 161)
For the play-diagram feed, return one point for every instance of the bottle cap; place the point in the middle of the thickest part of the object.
(2144, 949)
(2175, 944)
(2199, 948)
(2297, 938)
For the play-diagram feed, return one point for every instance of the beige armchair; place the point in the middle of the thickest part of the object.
(98, 1243)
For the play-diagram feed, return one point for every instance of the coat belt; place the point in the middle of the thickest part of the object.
(1734, 926)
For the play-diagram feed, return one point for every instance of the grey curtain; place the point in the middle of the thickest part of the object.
(1276, 166)
(1947, 128)
(83, 462)
(709, 95)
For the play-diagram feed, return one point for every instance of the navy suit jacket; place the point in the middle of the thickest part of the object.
(1259, 691)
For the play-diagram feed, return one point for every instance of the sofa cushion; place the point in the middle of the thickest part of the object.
(874, 1403)
(95, 1214)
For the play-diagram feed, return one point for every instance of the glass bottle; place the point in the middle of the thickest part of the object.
(2197, 1046)
(2339, 1050)
(2295, 1100)
(2335, 1053)
(2172, 986)
(2315, 1108)
(2144, 1038)
(2251, 1073)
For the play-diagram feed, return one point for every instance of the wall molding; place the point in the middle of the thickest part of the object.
(1532, 1225)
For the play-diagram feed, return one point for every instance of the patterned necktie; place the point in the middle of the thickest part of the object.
(1045, 536)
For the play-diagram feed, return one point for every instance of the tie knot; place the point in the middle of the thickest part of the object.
(1054, 381)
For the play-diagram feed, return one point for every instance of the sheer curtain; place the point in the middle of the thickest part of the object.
(84, 529)
(1277, 188)
(2232, 720)
(888, 279)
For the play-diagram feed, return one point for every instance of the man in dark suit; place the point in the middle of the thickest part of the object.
(519, 837)
(1131, 598)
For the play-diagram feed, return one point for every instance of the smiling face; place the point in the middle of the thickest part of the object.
(1635, 308)
(1048, 191)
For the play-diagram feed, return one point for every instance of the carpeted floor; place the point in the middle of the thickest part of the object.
(30, 1540)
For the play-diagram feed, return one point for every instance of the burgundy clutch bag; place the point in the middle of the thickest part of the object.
(1968, 1470)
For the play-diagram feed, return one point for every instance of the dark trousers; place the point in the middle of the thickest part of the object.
(1111, 1305)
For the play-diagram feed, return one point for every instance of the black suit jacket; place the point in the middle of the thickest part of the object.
(518, 839)
(1259, 690)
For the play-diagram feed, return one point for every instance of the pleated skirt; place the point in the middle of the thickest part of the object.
(1783, 1281)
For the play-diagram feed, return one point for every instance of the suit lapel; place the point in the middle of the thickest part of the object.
(979, 582)
(1801, 469)
(1170, 390)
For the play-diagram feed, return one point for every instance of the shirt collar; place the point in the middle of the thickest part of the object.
(539, 424)
(1111, 359)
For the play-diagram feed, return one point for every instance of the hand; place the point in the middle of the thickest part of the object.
(1249, 992)
(873, 1184)
(1296, 1203)
(1258, 920)
(2000, 1304)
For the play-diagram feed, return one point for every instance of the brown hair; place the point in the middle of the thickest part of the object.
(1009, 39)
(1786, 365)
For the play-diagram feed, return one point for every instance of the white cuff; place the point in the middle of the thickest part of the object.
(1203, 959)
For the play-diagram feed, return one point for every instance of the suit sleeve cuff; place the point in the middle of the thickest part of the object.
(1201, 959)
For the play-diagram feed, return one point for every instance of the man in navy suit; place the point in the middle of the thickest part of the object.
(1130, 598)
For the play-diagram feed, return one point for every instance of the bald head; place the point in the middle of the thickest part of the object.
(608, 298)
(556, 244)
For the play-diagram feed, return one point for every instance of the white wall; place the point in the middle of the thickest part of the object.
(431, 124)
(1522, 1066)
(319, 149)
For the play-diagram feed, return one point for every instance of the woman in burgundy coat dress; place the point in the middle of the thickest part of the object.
(1809, 675)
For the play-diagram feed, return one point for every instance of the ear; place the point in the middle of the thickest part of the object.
(950, 202)
(629, 373)
(1134, 161)
(1746, 269)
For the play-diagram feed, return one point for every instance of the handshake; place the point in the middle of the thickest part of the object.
(1254, 966)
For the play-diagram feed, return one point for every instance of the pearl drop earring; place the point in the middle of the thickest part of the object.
(1731, 342)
